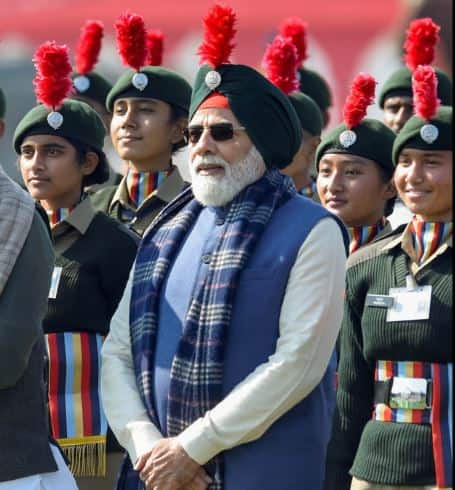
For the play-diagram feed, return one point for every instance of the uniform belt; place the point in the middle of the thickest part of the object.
(422, 393)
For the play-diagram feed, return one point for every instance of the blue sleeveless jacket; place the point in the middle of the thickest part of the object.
(291, 454)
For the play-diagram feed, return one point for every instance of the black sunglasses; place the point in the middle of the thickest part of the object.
(219, 132)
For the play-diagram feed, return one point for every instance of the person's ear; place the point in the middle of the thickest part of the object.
(390, 190)
(91, 162)
(177, 129)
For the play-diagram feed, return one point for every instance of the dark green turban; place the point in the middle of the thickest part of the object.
(162, 84)
(373, 140)
(80, 123)
(420, 134)
(313, 85)
(2, 104)
(265, 111)
(92, 86)
(400, 84)
(308, 112)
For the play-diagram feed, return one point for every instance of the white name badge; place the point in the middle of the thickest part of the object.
(55, 281)
(409, 304)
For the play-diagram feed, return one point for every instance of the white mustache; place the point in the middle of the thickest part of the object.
(200, 160)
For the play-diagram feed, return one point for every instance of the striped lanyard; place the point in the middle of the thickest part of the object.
(427, 237)
(140, 185)
(57, 215)
(361, 235)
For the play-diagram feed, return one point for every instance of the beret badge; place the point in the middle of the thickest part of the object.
(140, 81)
(81, 83)
(347, 138)
(429, 133)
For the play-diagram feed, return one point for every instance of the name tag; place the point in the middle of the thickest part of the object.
(379, 300)
(55, 281)
(409, 304)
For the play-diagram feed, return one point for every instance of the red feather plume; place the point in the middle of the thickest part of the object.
(219, 31)
(280, 63)
(359, 98)
(131, 40)
(89, 46)
(425, 92)
(52, 80)
(422, 37)
(154, 48)
(296, 29)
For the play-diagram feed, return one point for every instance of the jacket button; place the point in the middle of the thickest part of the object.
(206, 258)
(219, 221)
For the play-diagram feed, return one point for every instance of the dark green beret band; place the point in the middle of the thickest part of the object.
(313, 85)
(400, 84)
(308, 112)
(374, 141)
(97, 86)
(80, 123)
(410, 137)
(163, 84)
(265, 111)
(2, 104)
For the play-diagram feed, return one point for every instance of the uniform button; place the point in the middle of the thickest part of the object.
(219, 221)
(206, 258)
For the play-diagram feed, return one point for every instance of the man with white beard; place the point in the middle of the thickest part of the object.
(216, 369)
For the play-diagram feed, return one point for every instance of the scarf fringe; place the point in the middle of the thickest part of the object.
(86, 456)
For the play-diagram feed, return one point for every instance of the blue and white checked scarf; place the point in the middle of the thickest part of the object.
(197, 368)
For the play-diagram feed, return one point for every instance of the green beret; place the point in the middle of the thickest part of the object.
(374, 140)
(163, 84)
(312, 84)
(80, 123)
(308, 112)
(400, 84)
(92, 86)
(2, 104)
(265, 111)
(410, 135)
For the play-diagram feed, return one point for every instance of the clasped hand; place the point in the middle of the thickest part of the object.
(168, 467)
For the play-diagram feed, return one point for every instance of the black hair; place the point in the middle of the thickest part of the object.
(101, 172)
(386, 175)
(177, 113)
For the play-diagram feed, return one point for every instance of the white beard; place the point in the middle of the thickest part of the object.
(219, 190)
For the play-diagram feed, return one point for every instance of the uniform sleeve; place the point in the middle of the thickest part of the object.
(354, 394)
(23, 303)
(309, 323)
(122, 404)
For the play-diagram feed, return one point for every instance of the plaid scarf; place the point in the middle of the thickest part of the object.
(16, 215)
(197, 368)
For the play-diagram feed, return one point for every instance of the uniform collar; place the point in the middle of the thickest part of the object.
(170, 186)
(81, 216)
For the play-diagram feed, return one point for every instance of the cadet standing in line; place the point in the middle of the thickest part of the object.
(395, 97)
(355, 168)
(393, 423)
(281, 62)
(92, 88)
(149, 106)
(60, 148)
(311, 82)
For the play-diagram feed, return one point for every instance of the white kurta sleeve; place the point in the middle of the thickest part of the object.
(309, 322)
(122, 404)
